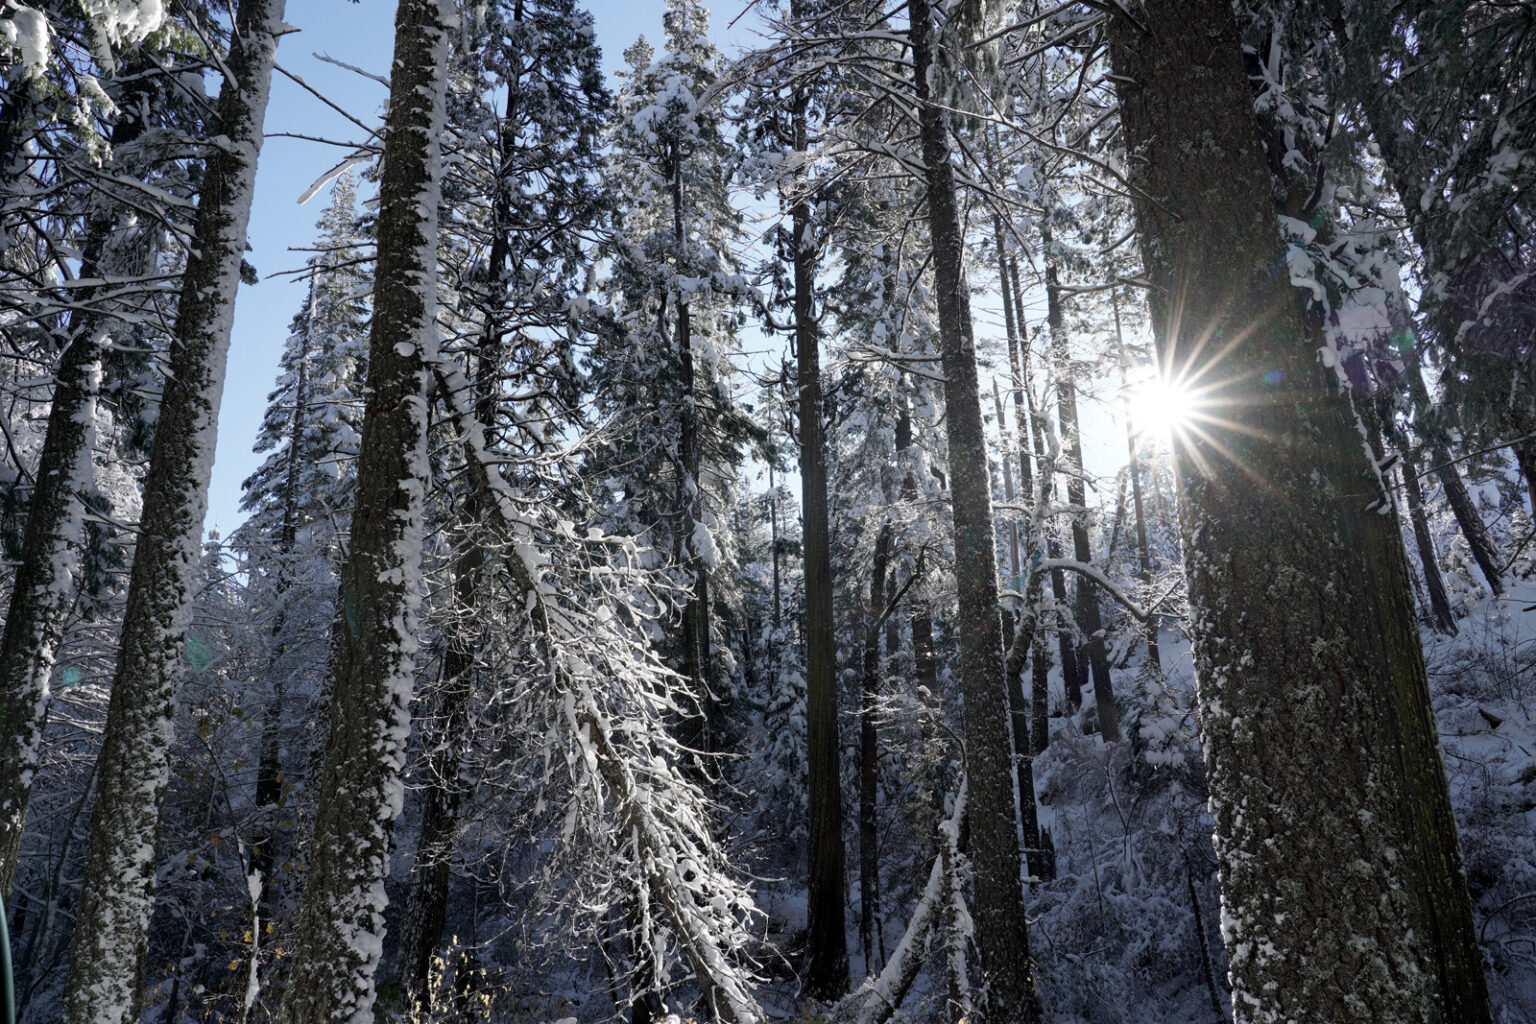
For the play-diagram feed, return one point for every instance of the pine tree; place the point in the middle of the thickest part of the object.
(108, 949)
(312, 420)
(300, 501)
(1311, 676)
(999, 913)
(1450, 135)
(339, 939)
(55, 538)
(517, 311)
(666, 363)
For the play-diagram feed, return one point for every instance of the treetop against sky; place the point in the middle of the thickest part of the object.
(360, 35)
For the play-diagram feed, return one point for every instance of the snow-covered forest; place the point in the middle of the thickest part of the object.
(954, 511)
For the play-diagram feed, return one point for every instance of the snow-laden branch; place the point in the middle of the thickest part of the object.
(674, 851)
(1136, 611)
(875, 1001)
(626, 781)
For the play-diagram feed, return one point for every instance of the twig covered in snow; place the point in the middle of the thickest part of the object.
(875, 1001)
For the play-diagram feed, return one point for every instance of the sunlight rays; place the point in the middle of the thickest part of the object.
(1200, 401)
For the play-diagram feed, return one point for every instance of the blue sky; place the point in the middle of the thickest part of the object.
(361, 35)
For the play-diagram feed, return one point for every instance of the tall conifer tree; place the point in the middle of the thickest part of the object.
(107, 957)
(340, 937)
(1343, 893)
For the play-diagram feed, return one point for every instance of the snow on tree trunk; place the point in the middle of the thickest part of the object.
(661, 815)
(51, 545)
(131, 774)
(670, 854)
(958, 928)
(34, 626)
(426, 910)
(340, 933)
(879, 997)
(1009, 994)
(1343, 894)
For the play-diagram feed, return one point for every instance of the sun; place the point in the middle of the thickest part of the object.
(1162, 409)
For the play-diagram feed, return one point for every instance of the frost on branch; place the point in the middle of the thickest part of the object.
(612, 772)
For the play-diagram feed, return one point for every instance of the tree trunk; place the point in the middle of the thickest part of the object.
(339, 937)
(1344, 897)
(107, 957)
(269, 783)
(18, 125)
(1439, 603)
(773, 538)
(1525, 456)
(999, 903)
(878, 999)
(869, 760)
(426, 911)
(1462, 506)
(1040, 658)
(697, 664)
(1023, 642)
(925, 667)
(52, 538)
(1385, 118)
(1065, 642)
(44, 584)
(1144, 562)
(956, 918)
(827, 973)
(1088, 615)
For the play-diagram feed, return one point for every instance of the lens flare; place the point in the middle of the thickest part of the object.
(1161, 408)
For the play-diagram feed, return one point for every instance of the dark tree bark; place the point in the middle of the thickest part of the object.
(870, 930)
(1088, 614)
(52, 538)
(1344, 897)
(104, 985)
(1462, 506)
(827, 973)
(339, 937)
(999, 903)
(1439, 603)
